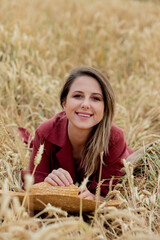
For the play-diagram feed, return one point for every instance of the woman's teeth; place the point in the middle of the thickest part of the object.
(84, 115)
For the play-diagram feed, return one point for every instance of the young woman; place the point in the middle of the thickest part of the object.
(76, 137)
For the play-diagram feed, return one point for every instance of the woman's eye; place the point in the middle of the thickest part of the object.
(77, 96)
(96, 99)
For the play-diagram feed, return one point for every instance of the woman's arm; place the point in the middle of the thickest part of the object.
(85, 193)
(42, 170)
(111, 168)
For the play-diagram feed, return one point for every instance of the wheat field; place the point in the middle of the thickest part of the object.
(40, 42)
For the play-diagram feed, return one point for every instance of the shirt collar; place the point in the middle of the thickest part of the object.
(58, 132)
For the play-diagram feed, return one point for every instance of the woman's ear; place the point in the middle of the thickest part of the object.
(64, 104)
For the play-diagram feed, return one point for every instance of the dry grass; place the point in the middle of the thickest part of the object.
(40, 41)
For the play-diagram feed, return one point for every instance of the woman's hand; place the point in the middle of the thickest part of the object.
(59, 177)
(85, 193)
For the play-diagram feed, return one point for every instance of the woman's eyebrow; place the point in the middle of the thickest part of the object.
(94, 93)
(98, 94)
(77, 92)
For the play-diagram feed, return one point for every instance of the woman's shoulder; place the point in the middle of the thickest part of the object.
(116, 134)
(53, 130)
(50, 126)
(117, 146)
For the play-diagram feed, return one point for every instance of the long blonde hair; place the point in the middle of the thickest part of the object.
(99, 140)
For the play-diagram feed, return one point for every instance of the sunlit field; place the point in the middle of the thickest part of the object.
(40, 42)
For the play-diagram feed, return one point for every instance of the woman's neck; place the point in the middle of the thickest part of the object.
(78, 137)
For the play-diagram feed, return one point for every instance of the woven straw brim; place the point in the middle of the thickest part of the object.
(68, 203)
(64, 197)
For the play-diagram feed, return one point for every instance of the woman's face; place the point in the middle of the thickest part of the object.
(84, 105)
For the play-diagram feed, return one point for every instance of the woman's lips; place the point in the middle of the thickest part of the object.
(86, 115)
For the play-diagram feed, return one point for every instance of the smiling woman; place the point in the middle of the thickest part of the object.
(84, 106)
(76, 137)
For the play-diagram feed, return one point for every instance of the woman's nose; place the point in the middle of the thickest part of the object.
(85, 104)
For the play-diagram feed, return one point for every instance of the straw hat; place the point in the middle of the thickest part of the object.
(64, 197)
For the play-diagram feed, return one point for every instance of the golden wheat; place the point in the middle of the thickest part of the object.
(40, 41)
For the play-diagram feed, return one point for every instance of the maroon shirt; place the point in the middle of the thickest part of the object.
(58, 154)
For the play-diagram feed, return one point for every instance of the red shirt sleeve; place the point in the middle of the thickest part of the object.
(43, 168)
(113, 163)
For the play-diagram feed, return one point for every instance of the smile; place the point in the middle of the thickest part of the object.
(84, 115)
